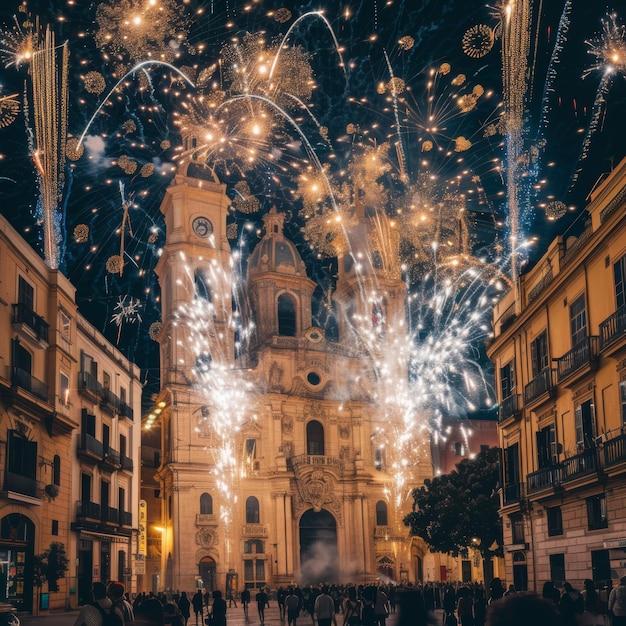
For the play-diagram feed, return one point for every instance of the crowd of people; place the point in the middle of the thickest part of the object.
(468, 604)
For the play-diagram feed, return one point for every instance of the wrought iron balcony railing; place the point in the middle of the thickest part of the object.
(22, 314)
(585, 352)
(23, 379)
(612, 328)
(510, 407)
(539, 385)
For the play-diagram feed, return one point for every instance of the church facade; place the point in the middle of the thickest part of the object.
(316, 493)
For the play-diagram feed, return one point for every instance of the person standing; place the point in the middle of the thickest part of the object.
(292, 605)
(218, 609)
(115, 591)
(571, 605)
(93, 614)
(184, 606)
(245, 600)
(324, 608)
(381, 607)
(262, 601)
(352, 609)
(198, 603)
(617, 603)
(281, 594)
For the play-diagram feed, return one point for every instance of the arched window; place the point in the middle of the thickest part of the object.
(379, 459)
(202, 285)
(206, 504)
(56, 470)
(286, 315)
(314, 438)
(381, 513)
(252, 510)
(253, 546)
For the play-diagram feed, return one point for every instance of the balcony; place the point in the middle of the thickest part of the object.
(510, 407)
(126, 518)
(110, 459)
(88, 384)
(206, 519)
(614, 451)
(126, 463)
(583, 355)
(110, 515)
(87, 510)
(16, 483)
(542, 479)
(22, 379)
(29, 325)
(612, 328)
(540, 385)
(126, 411)
(512, 493)
(108, 400)
(89, 448)
(583, 464)
(255, 530)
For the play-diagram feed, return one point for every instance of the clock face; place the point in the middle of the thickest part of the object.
(202, 227)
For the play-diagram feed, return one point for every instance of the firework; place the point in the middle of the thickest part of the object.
(115, 264)
(155, 330)
(94, 82)
(81, 233)
(478, 41)
(555, 210)
(406, 42)
(129, 126)
(9, 108)
(125, 312)
(282, 15)
(142, 29)
(73, 151)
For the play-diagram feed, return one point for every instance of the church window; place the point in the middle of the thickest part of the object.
(381, 513)
(252, 510)
(286, 315)
(314, 438)
(206, 504)
(202, 285)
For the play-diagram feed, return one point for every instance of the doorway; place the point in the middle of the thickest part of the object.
(319, 559)
(206, 571)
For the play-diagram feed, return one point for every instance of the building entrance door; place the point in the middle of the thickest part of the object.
(206, 571)
(319, 560)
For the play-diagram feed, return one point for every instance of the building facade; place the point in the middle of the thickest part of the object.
(559, 355)
(69, 438)
(313, 489)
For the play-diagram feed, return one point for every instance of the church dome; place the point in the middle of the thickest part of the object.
(274, 253)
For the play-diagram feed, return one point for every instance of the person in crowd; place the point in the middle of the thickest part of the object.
(94, 614)
(480, 606)
(412, 609)
(262, 601)
(245, 600)
(449, 601)
(232, 598)
(149, 612)
(465, 607)
(381, 607)
(550, 592)
(198, 603)
(115, 591)
(522, 609)
(324, 608)
(352, 609)
(571, 605)
(184, 606)
(281, 594)
(617, 603)
(218, 609)
(592, 614)
(496, 590)
(293, 604)
(172, 615)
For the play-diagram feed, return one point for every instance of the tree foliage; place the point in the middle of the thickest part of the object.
(51, 565)
(460, 509)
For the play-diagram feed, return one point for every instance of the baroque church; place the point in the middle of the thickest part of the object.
(315, 499)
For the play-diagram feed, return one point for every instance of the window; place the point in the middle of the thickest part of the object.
(254, 573)
(106, 437)
(123, 395)
(250, 453)
(380, 460)
(557, 569)
(578, 320)
(56, 470)
(600, 566)
(206, 504)
(546, 447)
(555, 521)
(252, 510)
(88, 365)
(88, 423)
(622, 395)
(21, 458)
(64, 388)
(596, 512)
(314, 438)
(64, 325)
(459, 448)
(286, 315)
(55, 526)
(106, 380)
(511, 465)
(22, 361)
(123, 446)
(85, 488)
(381, 513)
(517, 529)
(121, 499)
(25, 294)
(507, 380)
(539, 354)
(253, 546)
(202, 285)
(585, 425)
(619, 275)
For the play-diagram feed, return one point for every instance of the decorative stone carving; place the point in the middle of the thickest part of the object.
(287, 424)
(207, 538)
(316, 489)
(275, 377)
(344, 431)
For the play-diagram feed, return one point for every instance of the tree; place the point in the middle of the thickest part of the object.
(458, 510)
(51, 565)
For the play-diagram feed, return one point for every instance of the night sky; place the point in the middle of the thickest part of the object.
(138, 123)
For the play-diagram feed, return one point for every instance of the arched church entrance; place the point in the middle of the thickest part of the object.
(319, 561)
(206, 570)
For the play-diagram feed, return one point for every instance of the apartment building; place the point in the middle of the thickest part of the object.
(69, 438)
(559, 353)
